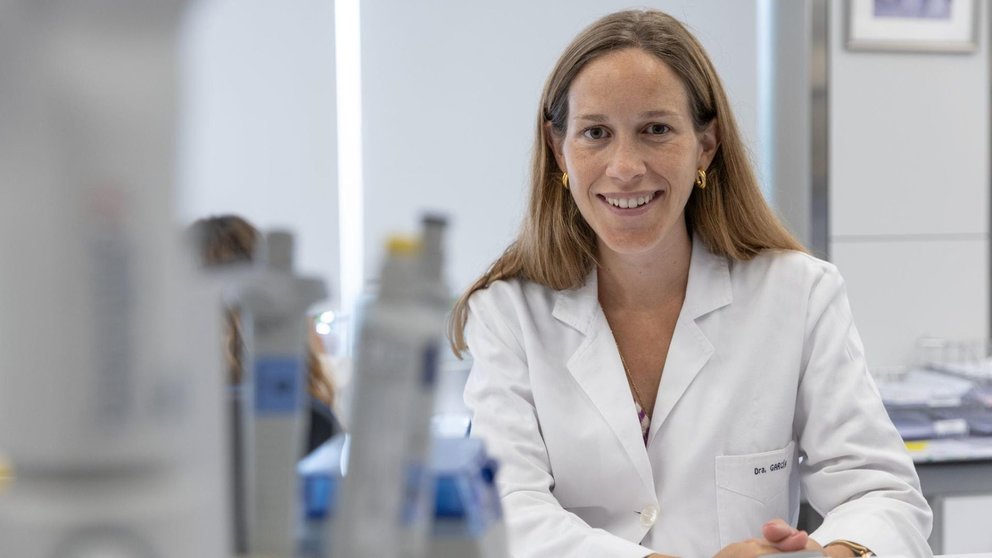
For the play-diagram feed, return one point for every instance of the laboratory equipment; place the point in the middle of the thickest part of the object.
(274, 416)
(928, 404)
(109, 361)
(384, 499)
(468, 517)
(321, 473)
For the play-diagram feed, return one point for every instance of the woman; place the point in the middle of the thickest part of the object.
(655, 353)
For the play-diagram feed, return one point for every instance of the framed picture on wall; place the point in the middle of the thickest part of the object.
(912, 25)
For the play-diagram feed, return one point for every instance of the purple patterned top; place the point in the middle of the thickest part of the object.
(644, 419)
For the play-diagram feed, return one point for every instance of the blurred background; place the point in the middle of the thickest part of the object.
(344, 121)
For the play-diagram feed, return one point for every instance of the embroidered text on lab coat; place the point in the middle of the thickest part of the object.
(773, 467)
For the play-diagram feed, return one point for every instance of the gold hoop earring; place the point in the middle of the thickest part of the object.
(701, 179)
(564, 180)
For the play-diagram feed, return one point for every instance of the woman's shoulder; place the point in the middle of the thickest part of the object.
(508, 308)
(510, 296)
(789, 266)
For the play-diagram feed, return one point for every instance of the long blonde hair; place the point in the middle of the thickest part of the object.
(555, 246)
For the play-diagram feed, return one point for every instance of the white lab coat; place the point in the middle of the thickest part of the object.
(765, 366)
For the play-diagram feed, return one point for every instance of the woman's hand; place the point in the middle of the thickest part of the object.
(779, 537)
(785, 537)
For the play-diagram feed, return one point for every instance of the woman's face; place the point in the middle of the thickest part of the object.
(631, 151)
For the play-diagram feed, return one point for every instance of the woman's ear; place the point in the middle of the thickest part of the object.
(709, 142)
(554, 143)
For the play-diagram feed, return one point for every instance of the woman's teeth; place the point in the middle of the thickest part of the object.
(627, 203)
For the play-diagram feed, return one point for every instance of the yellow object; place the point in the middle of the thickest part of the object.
(399, 244)
(917, 446)
(6, 473)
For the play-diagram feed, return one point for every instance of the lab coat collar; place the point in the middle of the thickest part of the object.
(708, 289)
(596, 366)
(709, 286)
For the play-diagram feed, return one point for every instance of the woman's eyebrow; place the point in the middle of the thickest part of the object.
(646, 114)
(592, 117)
(658, 113)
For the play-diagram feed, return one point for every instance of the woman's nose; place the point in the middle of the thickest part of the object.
(626, 161)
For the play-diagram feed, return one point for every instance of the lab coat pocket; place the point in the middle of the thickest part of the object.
(752, 489)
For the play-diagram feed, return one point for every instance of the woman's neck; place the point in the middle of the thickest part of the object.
(643, 282)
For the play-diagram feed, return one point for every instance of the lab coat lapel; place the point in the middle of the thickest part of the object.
(596, 367)
(708, 289)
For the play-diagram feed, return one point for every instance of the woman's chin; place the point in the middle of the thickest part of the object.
(638, 243)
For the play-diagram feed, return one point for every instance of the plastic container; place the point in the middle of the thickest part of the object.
(383, 505)
(274, 416)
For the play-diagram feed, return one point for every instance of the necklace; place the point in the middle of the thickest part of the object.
(637, 394)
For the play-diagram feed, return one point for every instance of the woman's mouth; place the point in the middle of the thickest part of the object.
(630, 201)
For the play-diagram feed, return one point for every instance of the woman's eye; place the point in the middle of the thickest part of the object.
(595, 133)
(658, 129)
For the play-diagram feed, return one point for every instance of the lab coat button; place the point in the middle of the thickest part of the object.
(649, 515)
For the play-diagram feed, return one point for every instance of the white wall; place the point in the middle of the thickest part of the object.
(909, 191)
(259, 132)
(450, 98)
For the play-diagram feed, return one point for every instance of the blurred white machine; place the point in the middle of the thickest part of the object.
(273, 419)
(392, 488)
(385, 501)
(109, 370)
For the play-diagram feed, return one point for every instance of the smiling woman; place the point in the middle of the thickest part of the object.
(627, 146)
(655, 352)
